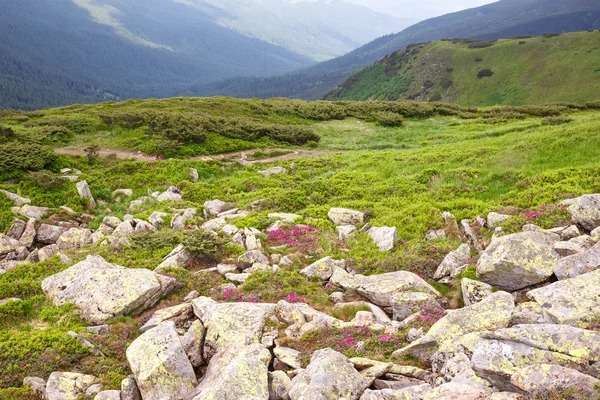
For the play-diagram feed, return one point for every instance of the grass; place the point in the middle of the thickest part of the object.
(539, 71)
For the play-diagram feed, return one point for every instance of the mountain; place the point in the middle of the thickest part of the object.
(517, 71)
(65, 51)
(504, 18)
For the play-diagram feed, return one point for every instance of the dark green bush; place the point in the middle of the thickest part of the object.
(204, 245)
(292, 134)
(6, 133)
(386, 118)
(179, 127)
(129, 120)
(16, 156)
(556, 120)
(47, 180)
(482, 44)
(485, 73)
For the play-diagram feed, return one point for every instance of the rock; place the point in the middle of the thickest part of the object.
(48, 234)
(405, 304)
(33, 211)
(494, 219)
(573, 301)
(16, 229)
(546, 378)
(595, 234)
(253, 256)
(344, 216)
(516, 261)
(178, 314)
(230, 230)
(285, 217)
(138, 203)
(85, 343)
(85, 193)
(160, 365)
(213, 208)
(586, 210)
(193, 343)
(322, 269)
(570, 233)
(46, 252)
(414, 334)
(15, 198)
(578, 264)
(129, 390)
(237, 278)
(234, 323)
(8, 244)
(93, 390)
(453, 261)
(346, 232)
(273, 171)
(68, 385)
(102, 290)
(384, 237)
(171, 194)
(226, 268)
(37, 385)
(239, 372)
(214, 225)
(194, 175)
(74, 238)
(380, 288)
(108, 395)
(178, 257)
(29, 234)
(462, 391)
(493, 312)
(574, 246)
(122, 192)
(180, 220)
(329, 375)
(279, 385)
(435, 234)
(156, 219)
(530, 313)
(474, 291)
(288, 356)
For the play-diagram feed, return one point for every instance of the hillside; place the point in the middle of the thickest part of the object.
(198, 277)
(67, 51)
(504, 18)
(521, 71)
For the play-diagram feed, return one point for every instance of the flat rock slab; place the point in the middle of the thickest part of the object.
(68, 385)
(103, 290)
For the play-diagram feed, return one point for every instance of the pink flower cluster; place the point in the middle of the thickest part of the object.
(294, 298)
(302, 238)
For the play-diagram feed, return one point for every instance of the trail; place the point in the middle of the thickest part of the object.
(227, 158)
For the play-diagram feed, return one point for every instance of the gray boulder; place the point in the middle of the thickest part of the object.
(180, 220)
(494, 219)
(180, 314)
(384, 237)
(322, 269)
(33, 211)
(404, 304)
(37, 385)
(48, 234)
(453, 261)
(213, 208)
(273, 171)
(519, 260)
(15, 198)
(84, 192)
(129, 390)
(8, 245)
(537, 380)
(102, 290)
(74, 238)
(28, 237)
(160, 365)
(578, 264)
(586, 210)
(16, 229)
(68, 385)
(344, 216)
(178, 257)
(108, 395)
(194, 175)
(193, 343)
(474, 291)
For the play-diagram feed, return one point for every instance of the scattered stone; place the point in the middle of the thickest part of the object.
(279, 385)
(37, 385)
(139, 202)
(494, 219)
(586, 210)
(453, 261)
(516, 261)
(273, 171)
(48, 234)
(472, 235)
(384, 237)
(253, 256)
(125, 228)
(214, 225)
(178, 314)
(160, 364)
(193, 343)
(84, 192)
(229, 230)
(74, 238)
(33, 211)
(213, 208)
(156, 219)
(344, 216)
(573, 301)
(436, 234)
(29, 234)
(414, 334)
(178, 257)
(68, 385)
(8, 244)
(85, 343)
(15, 198)
(322, 269)
(180, 220)
(99, 329)
(11, 299)
(102, 290)
(474, 291)
(530, 313)
(171, 194)
(122, 192)
(346, 232)
(129, 390)
(455, 390)
(570, 233)
(194, 175)
(238, 279)
(47, 252)
(404, 304)
(574, 246)
(16, 229)
(289, 357)
(108, 395)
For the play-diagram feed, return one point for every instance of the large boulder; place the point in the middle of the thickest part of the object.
(536, 380)
(519, 260)
(33, 211)
(238, 373)
(84, 192)
(48, 234)
(213, 208)
(180, 314)
(102, 290)
(322, 269)
(344, 216)
(68, 385)
(16, 229)
(474, 291)
(453, 261)
(8, 245)
(160, 365)
(380, 288)
(586, 210)
(178, 257)
(74, 238)
(384, 237)
(574, 301)
(171, 194)
(404, 304)
(457, 390)
(578, 264)
(328, 376)
(493, 312)
(273, 171)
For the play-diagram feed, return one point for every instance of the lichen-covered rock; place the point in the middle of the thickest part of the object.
(16, 229)
(102, 290)
(142, 226)
(33, 211)
(384, 237)
(404, 304)
(28, 236)
(213, 208)
(578, 264)
(157, 219)
(380, 288)
(462, 391)
(516, 261)
(193, 342)
(273, 171)
(474, 291)
(543, 378)
(179, 314)
(171, 194)
(238, 373)
(129, 390)
(68, 385)
(84, 192)
(125, 228)
(214, 225)
(15, 198)
(346, 232)
(108, 395)
(494, 219)
(8, 244)
(321, 269)
(574, 301)
(178, 257)
(37, 385)
(344, 216)
(74, 238)
(586, 210)
(493, 312)
(453, 260)
(180, 220)
(288, 356)
(253, 256)
(160, 365)
(328, 376)
(48, 234)
(574, 246)
(47, 251)
(279, 385)
(234, 323)
(530, 313)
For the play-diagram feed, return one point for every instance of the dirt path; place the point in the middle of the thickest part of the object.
(224, 157)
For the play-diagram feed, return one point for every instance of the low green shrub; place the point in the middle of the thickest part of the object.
(386, 118)
(18, 156)
(556, 120)
(47, 180)
(348, 312)
(204, 244)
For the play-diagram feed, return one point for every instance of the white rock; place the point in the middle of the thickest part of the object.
(384, 237)
(85, 193)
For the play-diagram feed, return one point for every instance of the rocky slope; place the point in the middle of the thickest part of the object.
(528, 326)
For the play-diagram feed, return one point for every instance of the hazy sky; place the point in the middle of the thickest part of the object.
(420, 9)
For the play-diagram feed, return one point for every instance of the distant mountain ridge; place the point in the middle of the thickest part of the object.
(501, 19)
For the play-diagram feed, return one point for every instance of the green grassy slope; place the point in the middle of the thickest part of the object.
(525, 71)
